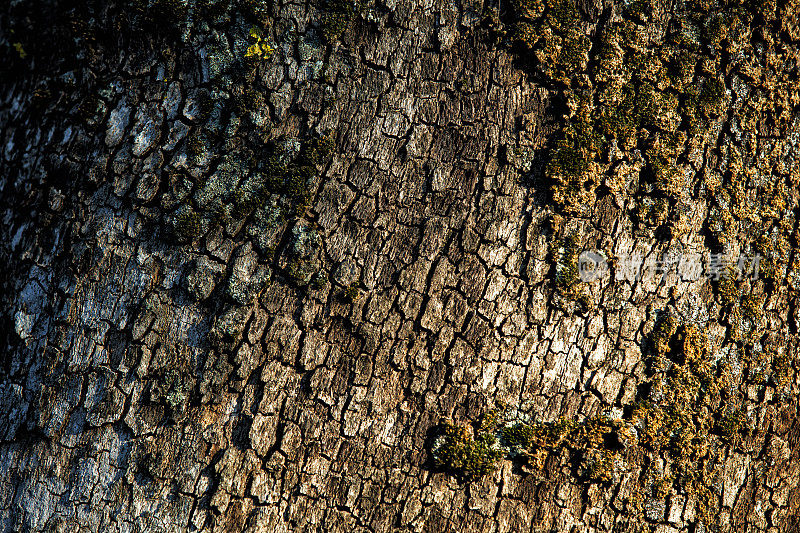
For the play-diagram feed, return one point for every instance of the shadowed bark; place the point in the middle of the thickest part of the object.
(290, 266)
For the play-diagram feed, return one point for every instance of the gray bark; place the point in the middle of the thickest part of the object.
(175, 359)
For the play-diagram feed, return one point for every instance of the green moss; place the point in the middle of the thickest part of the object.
(641, 88)
(711, 95)
(527, 9)
(243, 203)
(301, 271)
(338, 15)
(564, 14)
(519, 435)
(774, 250)
(753, 306)
(599, 466)
(572, 170)
(732, 424)
(687, 411)
(592, 443)
(665, 328)
(682, 66)
(567, 263)
(659, 96)
(350, 294)
(469, 457)
(728, 288)
(661, 485)
(570, 157)
(783, 370)
(646, 102)
(554, 41)
(618, 119)
(244, 182)
(187, 225)
(593, 446)
(296, 182)
(318, 150)
(294, 179)
(664, 174)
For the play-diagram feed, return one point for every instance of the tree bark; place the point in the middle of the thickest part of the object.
(248, 289)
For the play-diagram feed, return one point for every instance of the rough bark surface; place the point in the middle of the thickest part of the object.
(213, 323)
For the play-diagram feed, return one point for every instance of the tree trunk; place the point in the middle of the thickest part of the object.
(281, 266)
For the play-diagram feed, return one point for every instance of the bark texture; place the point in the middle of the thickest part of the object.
(293, 278)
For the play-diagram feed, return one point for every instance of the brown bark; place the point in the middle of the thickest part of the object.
(285, 365)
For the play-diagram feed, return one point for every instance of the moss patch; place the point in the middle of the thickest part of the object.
(593, 445)
(469, 456)
(338, 15)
